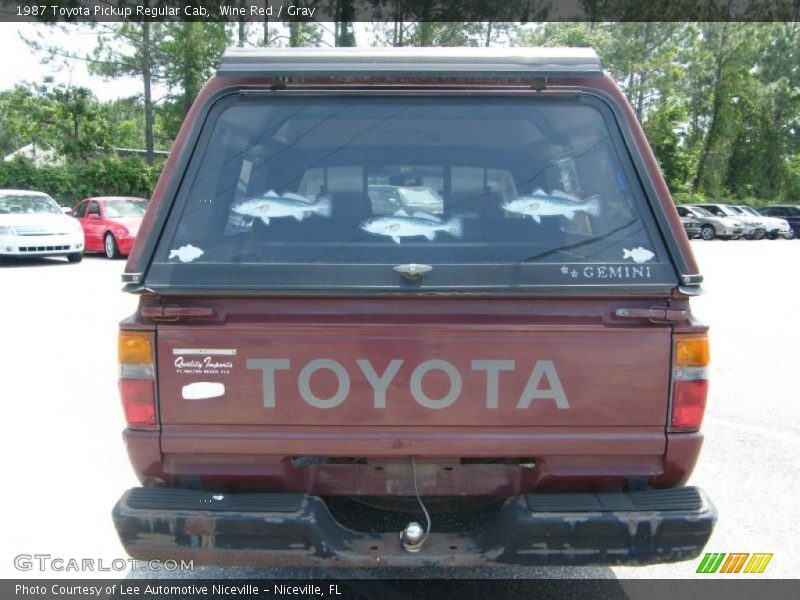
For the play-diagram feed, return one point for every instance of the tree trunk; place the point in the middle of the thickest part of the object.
(346, 15)
(242, 25)
(148, 99)
(716, 107)
(643, 74)
(191, 84)
(629, 88)
(425, 27)
(76, 135)
(425, 37)
(399, 27)
(640, 96)
(711, 137)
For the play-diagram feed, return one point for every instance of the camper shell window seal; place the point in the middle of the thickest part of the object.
(198, 137)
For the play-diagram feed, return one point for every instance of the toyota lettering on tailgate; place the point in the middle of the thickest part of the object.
(543, 383)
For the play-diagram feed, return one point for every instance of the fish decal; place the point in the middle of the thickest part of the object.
(639, 255)
(401, 224)
(186, 253)
(557, 203)
(272, 206)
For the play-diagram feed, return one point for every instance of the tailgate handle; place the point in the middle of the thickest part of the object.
(173, 312)
(656, 315)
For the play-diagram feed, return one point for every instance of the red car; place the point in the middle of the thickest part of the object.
(110, 223)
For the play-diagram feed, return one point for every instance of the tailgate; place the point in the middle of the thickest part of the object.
(470, 375)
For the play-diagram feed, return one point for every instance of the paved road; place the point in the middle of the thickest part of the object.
(64, 464)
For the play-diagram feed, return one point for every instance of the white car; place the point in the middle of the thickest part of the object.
(774, 226)
(32, 224)
(711, 226)
(753, 228)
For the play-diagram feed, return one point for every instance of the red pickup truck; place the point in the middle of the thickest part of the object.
(412, 307)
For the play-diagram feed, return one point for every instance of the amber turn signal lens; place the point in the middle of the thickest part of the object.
(135, 348)
(692, 352)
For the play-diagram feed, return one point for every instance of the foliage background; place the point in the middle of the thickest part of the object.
(720, 102)
(70, 183)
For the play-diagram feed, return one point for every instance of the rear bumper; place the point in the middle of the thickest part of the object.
(296, 529)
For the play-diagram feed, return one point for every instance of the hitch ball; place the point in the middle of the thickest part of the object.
(412, 537)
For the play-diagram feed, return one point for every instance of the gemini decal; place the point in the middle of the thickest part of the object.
(543, 385)
(602, 272)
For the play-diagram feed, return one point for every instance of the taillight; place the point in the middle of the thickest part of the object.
(689, 382)
(136, 379)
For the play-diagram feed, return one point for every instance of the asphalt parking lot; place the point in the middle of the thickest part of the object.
(65, 466)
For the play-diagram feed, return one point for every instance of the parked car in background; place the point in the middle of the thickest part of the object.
(774, 226)
(692, 227)
(32, 224)
(753, 229)
(110, 223)
(789, 212)
(712, 226)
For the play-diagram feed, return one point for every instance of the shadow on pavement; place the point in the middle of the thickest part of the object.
(50, 261)
(412, 584)
(421, 573)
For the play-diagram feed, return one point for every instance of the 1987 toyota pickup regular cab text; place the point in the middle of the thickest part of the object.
(408, 307)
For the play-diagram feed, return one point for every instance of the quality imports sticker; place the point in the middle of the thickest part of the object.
(203, 361)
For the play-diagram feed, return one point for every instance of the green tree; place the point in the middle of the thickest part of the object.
(344, 14)
(126, 122)
(302, 33)
(179, 56)
(722, 61)
(432, 22)
(664, 132)
(188, 53)
(17, 128)
(69, 120)
(767, 138)
(580, 35)
(122, 50)
(719, 101)
(641, 57)
(69, 184)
